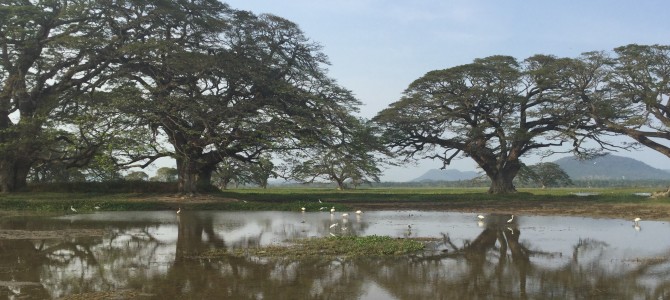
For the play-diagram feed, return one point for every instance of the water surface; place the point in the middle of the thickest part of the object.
(150, 253)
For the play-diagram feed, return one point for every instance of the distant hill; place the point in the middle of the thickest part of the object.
(610, 167)
(446, 175)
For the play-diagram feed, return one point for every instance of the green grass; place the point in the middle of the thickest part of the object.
(348, 246)
(453, 195)
(288, 199)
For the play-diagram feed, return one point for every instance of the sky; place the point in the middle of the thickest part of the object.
(378, 47)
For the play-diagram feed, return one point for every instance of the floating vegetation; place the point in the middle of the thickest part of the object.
(349, 246)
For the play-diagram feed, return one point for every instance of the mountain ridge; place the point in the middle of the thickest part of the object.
(606, 167)
(610, 167)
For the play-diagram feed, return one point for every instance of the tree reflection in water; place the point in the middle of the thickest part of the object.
(138, 256)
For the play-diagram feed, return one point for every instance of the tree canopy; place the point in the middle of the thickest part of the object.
(355, 155)
(90, 87)
(544, 174)
(494, 111)
(121, 79)
(633, 93)
(50, 52)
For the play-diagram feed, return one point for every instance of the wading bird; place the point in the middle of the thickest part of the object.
(511, 219)
(481, 217)
(332, 210)
(179, 211)
(72, 209)
(358, 212)
(637, 220)
(303, 208)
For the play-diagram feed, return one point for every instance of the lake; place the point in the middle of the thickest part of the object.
(146, 255)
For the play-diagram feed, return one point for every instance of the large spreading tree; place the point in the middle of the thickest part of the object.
(221, 83)
(86, 80)
(633, 94)
(50, 53)
(352, 155)
(494, 111)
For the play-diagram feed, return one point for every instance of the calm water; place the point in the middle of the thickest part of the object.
(148, 253)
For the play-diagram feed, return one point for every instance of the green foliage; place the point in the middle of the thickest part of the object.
(165, 174)
(354, 155)
(109, 187)
(136, 175)
(231, 170)
(544, 175)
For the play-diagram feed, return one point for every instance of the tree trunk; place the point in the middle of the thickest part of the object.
(224, 184)
(13, 174)
(204, 177)
(501, 183)
(187, 176)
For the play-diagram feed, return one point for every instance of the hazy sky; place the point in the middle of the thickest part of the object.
(378, 47)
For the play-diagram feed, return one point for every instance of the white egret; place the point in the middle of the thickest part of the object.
(344, 215)
(303, 208)
(637, 220)
(97, 207)
(511, 219)
(358, 212)
(179, 211)
(322, 208)
(334, 225)
(481, 217)
(14, 288)
(72, 209)
(320, 201)
(332, 210)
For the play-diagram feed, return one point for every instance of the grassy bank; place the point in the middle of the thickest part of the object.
(313, 198)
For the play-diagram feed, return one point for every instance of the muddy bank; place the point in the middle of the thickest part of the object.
(568, 208)
(576, 207)
(48, 234)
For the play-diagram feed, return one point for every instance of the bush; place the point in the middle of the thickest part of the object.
(119, 186)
